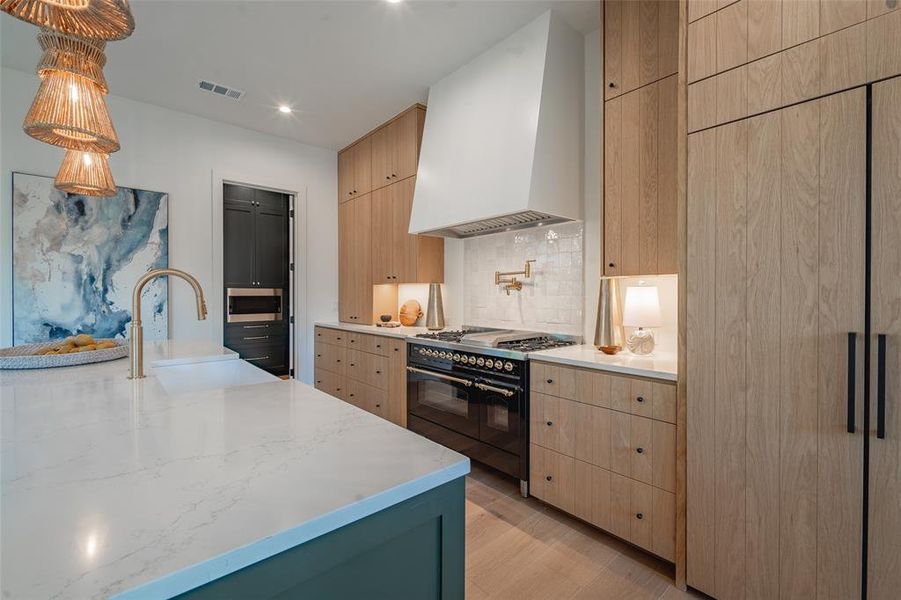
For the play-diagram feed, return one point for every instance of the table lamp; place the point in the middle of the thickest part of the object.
(641, 310)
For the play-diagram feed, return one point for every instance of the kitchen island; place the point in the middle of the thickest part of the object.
(128, 489)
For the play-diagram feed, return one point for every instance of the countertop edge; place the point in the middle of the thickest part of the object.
(622, 369)
(219, 566)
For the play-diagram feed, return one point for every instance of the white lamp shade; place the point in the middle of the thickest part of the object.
(642, 307)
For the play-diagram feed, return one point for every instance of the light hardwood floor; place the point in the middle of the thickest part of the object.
(523, 549)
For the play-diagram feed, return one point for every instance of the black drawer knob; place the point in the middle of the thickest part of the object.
(378, 345)
(378, 372)
(339, 360)
(550, 423)
(351, 395)
(548, 477)
(612, 85)
(318, 356)
(351, 364)
(378, 405)
(640, 450)
(639, 516)
(550, 380)
(640, 399)
(611, 265)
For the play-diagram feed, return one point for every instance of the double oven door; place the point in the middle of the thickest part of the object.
(485, 410)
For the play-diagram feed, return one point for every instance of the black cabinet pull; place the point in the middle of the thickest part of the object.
(639, 516)
(378, 345)
(640, 399)
(550, 423)
(548, 477)
(640, 450)
(880, 388)
(378, 405)
(378, 372)
(611, 265)
(612, 85)
(351, 364)
(852, 379)
(550, 380)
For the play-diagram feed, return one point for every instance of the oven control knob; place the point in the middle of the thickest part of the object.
(508, 366)
(422, 350)
(481, 362)
(430, 353)
(442, 354)
(472, 360)
(489, 363)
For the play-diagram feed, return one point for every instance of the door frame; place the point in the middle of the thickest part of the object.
(297, 244)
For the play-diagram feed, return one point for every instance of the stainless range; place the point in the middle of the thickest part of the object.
(469, 390)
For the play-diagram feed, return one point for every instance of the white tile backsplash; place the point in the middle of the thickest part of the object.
(551, 300)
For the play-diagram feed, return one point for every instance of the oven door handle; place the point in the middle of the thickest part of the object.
(465, 382)
(490, 388)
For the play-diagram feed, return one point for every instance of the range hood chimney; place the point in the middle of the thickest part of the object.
(502, 144)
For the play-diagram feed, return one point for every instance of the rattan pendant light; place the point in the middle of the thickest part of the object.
(86, 173)
(69, 109)
(94, 19)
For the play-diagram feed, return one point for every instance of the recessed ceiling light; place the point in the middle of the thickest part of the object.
(284, 108)
(393, 1)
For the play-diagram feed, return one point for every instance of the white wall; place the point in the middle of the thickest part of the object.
(168, 151)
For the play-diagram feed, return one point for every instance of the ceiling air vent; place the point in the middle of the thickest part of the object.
(221, 90)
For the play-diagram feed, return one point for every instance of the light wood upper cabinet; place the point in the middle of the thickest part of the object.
(355, 170)
(640, 43)
(376, 179)
(395, 148)
(397, 256)
(354, 274)
(640, 181)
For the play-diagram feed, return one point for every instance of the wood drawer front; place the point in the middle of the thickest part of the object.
(367, 397)
(326, 381)
(375, 344)
(644, 398)
(643, 449)
(367, 368)
(552, 423)
(329, 357)
(336, 337)
(584, 385)
(643, 515)
(552, 477)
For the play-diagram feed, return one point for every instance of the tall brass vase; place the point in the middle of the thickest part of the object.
(608, 334)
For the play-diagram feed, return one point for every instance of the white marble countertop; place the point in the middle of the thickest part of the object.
(399, 332)
(116, 488)
(657, 366)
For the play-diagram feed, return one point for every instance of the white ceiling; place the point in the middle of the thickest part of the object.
(344, 66)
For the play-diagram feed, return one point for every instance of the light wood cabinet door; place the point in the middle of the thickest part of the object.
(362, 164)
(640, 43)
(552, 477)
(345, 175)
(383, 228)
(408, 136)
(640, 181)
(776, 263)
(884, 569)
(354, 261)
(381, 162)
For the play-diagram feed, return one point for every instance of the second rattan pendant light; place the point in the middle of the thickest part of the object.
(69, 110)
(86, 173)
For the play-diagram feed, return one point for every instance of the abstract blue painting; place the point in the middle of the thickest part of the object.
(76, 259)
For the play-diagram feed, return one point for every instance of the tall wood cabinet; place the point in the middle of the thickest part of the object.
(640, 137)
(355, 170)
(354, 242)
(781, 409)
(399, 256)
(373, 219)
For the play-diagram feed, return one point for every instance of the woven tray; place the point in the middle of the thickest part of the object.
(23, 357)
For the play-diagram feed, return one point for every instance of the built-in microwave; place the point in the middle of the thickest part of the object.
(254, 304)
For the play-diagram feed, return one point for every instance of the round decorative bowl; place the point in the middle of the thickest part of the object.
(24, 357)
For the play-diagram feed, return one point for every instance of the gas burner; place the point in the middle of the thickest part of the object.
(535, 344)
(453, 335)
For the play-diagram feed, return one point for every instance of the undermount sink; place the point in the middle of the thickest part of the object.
(199, 376)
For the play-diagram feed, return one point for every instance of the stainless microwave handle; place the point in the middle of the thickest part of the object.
(465, 382)
(491, 388)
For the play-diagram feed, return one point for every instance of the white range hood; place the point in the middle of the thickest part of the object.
(502, 144)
